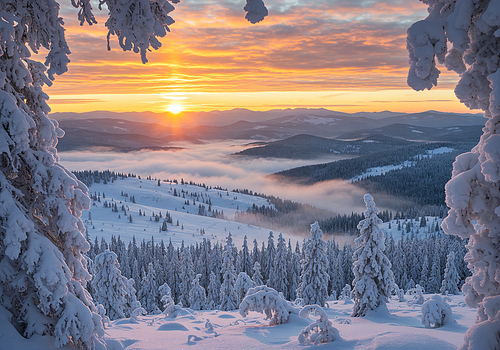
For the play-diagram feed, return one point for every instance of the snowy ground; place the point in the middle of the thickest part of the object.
(150, 197)
(402, 329)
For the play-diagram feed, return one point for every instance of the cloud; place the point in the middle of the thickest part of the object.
(212, 164)
(307, 45)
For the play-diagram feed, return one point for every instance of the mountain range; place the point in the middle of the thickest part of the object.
(133, 131)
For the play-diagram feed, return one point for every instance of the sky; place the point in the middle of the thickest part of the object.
(342, 55)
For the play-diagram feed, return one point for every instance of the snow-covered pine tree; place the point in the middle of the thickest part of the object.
(213, 291)
(313, 287)
(472, 194)
(450, 278)
(269, 256)
(373, 278)
(242, 285)
(434, 282)
(246, 260)
(257, 277)
(149, 290)
(41, 202)
(109, 285)
(197, 295)
(228, 297)
(187, 275)
(131, 302)
(278, 273)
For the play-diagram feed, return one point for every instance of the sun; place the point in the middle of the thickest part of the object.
(175, 108)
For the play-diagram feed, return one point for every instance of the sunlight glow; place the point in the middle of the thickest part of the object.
(175, 108)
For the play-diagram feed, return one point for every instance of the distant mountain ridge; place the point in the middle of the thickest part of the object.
(109, 129)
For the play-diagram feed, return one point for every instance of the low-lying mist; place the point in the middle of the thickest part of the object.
(214, 165)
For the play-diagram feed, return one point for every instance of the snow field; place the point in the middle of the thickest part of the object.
(150, 197)
(401, 329)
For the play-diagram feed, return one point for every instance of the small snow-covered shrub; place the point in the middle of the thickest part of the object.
(346, 292)
(321, 331)
(400, 294)
(136, 313)
(266, 300)
(436, 312)
(418, 296)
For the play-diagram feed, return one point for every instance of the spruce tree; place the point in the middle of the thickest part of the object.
(373, 278)
(278, 273)
(197, 295)
(228, 297)
(450, 278)
(109, 285)
(257, 277)
(313, 287)
(213, 290)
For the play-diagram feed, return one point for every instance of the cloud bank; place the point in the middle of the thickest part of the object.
(212, 164)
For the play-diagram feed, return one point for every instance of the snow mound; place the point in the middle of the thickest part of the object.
(174, 326)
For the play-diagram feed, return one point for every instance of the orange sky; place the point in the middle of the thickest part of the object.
(342, 55)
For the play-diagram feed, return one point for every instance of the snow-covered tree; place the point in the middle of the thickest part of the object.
(197, 295)
(228, 297)
(373, 278)
(436, 312)
(149, 290)
(213, 291)
(166, 299)
(320, 331)
(109, 285)
(450, 278)
(346, 292)
(278, 273)
(41, 231)
(313, 287)
(267, 301)
(434, 283)
(257, 277)
(131, 302)
(187, 275)
(470, 29)
(242, 285)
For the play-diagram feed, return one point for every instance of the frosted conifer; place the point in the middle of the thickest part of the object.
(187, 275)
(257, 277)
(197, 295)
(213, 291)
(470, 30)
(373, 278)
(450, 278)
(109, 285)
(242, 285)
(278, 273)
(149, 290)
(228, 297)
(313, 287)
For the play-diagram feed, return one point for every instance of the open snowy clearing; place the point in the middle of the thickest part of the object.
(402, 329)
(151, 198)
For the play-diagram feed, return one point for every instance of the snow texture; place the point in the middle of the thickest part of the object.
(473, 193)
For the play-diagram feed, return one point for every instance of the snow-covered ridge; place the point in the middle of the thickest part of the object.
(378, 171)
(150, 198)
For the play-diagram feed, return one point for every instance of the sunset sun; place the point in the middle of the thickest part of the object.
(175, 108)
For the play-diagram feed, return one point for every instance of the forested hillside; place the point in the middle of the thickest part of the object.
(417, 175)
